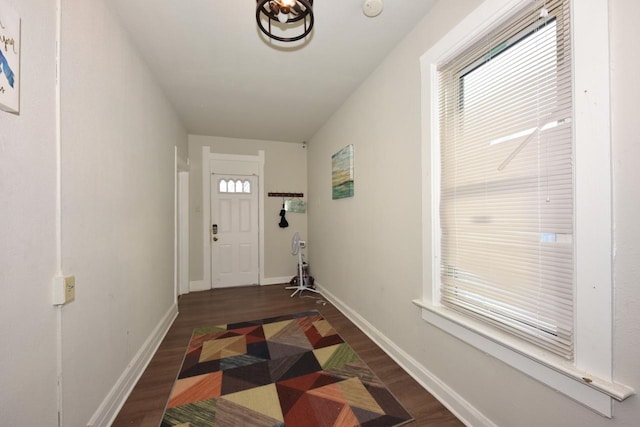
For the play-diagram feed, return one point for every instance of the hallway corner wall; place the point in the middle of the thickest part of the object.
(118, 139)
(28, 230)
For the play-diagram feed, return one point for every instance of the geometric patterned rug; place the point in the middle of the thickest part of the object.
(291, 370)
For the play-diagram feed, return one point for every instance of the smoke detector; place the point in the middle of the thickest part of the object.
(372, 8)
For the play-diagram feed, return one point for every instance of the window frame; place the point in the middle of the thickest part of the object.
(476, 198)
(231, 186)
(588, 379)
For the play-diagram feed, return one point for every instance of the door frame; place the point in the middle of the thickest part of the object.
(183, 232)
(180, 226)
(258, 163)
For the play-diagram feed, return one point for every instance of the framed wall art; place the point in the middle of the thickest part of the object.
(9, 59)
(342, 173)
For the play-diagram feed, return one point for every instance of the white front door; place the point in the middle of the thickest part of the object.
(234, 230)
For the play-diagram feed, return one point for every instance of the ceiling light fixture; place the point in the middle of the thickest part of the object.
(286, 15)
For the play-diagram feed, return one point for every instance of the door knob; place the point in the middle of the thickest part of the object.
(215, 239)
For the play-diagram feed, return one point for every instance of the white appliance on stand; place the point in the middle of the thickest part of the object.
(296, 249)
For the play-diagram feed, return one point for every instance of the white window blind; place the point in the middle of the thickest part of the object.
(506, 184)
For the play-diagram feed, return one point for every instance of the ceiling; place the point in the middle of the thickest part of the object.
(225, 78)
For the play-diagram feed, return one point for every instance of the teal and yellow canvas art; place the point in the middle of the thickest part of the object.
(342, 173)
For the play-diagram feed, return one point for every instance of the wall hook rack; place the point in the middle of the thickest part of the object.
(289, 195)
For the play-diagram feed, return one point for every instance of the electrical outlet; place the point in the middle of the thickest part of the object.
(69, 288)
(64, 289)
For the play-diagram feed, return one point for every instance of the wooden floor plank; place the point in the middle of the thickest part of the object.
(145, 405)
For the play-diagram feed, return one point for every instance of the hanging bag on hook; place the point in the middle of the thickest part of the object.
(283, 221)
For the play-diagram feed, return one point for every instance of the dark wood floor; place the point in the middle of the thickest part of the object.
(145, 405)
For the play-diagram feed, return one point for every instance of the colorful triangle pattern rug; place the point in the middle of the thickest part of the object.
(287, 371)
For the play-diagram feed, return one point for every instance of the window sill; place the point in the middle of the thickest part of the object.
(561, 375)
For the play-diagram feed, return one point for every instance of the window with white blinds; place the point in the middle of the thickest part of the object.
(506, 179)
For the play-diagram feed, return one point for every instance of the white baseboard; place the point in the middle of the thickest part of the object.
(111, 405)
(462, 409)
(277, 280)
(198, 285)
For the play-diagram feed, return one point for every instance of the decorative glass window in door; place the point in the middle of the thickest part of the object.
(231, 185)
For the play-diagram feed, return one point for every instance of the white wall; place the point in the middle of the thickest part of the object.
(118, 138)
(625, 61)
(285, 171)
(27, 231)
(366, 251)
